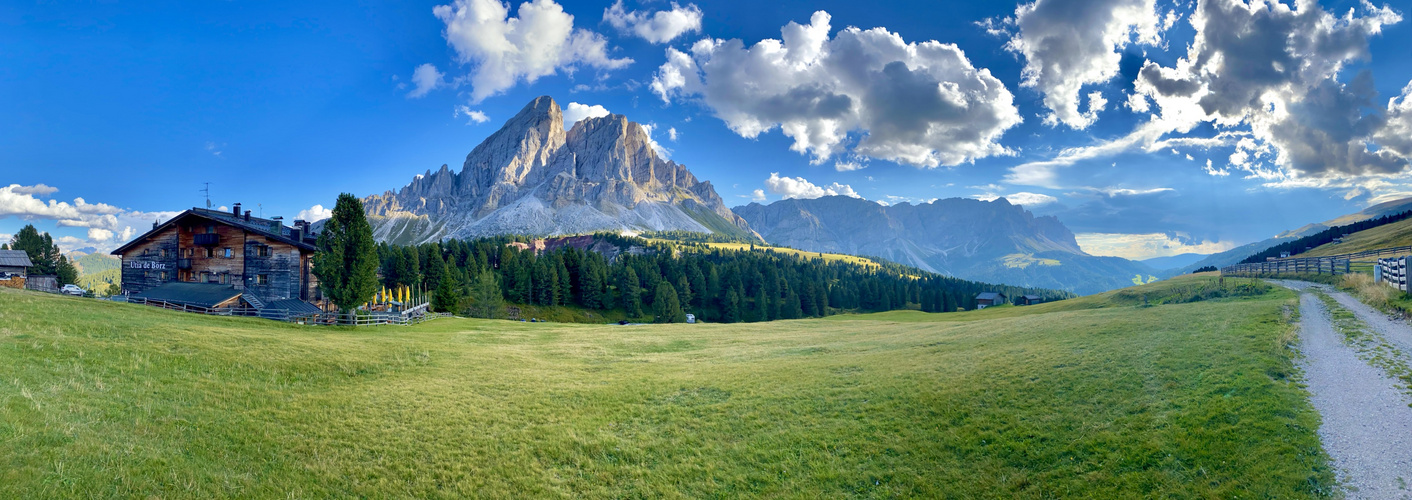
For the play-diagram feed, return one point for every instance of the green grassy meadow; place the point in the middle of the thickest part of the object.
(1093, 397)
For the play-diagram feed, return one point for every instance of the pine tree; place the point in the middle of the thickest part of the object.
(683, 289)
(486, 301)
(666, 306)
(346, 263)
(730, 307)
(446, 297)
(591, 285)
(435, 269)
(760, 305)
(630, 293)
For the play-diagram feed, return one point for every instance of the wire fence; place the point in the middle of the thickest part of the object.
(412, 316)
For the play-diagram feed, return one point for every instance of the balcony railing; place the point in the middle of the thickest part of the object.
(183, 263)
(208, 239)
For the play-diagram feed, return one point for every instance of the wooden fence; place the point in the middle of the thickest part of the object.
(1307, 265)
(412, 316)
(1392, 271)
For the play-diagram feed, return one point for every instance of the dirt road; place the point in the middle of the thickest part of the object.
(1367, 423)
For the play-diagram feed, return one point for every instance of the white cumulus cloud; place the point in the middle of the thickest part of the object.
(672, 134)
(657, 27)
(539, 41)
(1068, 44)
(576, 112)
(922, 104)
(758, 195)
(798, 187)
(426, 78)
(314, 214)
(1279, 77)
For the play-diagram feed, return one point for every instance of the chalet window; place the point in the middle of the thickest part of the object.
(262, 251)
(164, 276)
(228, 253)
(210, 253)
(262, 279)
(225, 278)
(205, 276)
(164, 253)
(210, 229)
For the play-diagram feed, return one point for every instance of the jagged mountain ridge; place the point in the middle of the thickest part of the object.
(532, 177)
(971, 239)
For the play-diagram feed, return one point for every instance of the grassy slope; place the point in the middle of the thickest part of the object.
(1397, 234)
(1085, 397)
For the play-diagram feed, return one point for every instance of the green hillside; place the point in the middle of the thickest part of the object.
(95, 263)
(1397, 234)
(1098, 397)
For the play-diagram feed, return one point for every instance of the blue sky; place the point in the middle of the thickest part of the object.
(117, 113)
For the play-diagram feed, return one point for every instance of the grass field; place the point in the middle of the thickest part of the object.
(1094, 397)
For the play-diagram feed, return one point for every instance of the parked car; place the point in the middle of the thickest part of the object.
(72, 289)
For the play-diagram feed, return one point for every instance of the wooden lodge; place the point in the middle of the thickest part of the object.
(214, 258)
(987, 299)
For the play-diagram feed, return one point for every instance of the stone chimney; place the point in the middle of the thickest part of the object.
(235, 210)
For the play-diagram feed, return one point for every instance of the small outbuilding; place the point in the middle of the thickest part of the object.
(14, 266)
(1029, 300)
(987, 299)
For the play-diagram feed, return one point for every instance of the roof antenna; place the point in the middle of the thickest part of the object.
(207, 190)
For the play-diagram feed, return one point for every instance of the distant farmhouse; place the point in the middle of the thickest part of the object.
(14, 266)
(1029, 300)
(214, 259)
(987, 299)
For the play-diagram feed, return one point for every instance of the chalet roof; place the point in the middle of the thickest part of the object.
(990, 296)
(295, 307)
(263, 227)
(1032, 297)
(195, 294)
(15, 258)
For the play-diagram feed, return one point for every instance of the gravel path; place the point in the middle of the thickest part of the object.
(1367, 424)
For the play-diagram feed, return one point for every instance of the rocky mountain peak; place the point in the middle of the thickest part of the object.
(533, 177)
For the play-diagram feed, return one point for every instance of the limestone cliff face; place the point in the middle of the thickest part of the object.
(532, 177)
(988, 241)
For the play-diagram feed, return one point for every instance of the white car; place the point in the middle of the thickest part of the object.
(72, 290)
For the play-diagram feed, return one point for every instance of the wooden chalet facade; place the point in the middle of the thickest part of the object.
(261, 259)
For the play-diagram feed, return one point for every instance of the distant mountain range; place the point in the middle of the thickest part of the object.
(1174, 261)
(532, 177)
(1238, 254)
(970, 239)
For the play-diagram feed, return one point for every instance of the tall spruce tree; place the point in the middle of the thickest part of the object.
(666, 306)
(347, 261)
(486, 301)
(446, 297)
